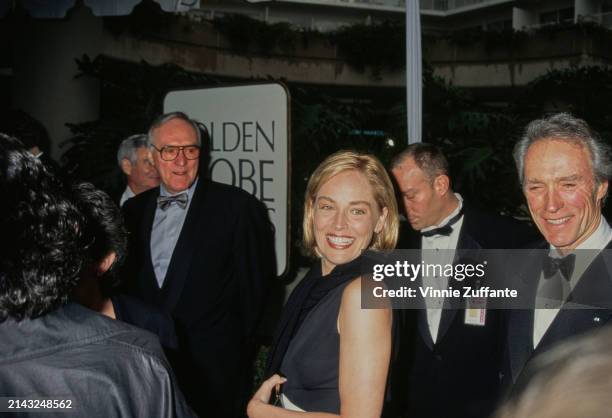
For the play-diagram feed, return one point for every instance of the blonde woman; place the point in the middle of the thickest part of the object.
(334, 354)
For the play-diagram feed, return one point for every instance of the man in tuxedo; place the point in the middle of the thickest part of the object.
(203, 252)
(564, 169)
(133, 159)
(451, 356)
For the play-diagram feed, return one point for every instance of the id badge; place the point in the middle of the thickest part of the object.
(476, 311)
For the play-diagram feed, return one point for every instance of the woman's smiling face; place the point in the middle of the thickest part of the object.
(346, 216)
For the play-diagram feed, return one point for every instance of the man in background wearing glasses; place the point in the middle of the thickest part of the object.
(203, 252)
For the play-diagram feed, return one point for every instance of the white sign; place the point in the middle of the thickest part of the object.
(248, 126)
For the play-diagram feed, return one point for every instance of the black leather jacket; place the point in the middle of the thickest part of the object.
(106, 368)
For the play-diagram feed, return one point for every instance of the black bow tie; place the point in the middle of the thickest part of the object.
(446, 229)
(181, 200)
(565, 265)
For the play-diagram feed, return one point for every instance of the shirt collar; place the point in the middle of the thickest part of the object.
(164, 192)
(453, 213)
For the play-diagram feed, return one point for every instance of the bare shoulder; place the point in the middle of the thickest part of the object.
(351, 307)
(351, 296)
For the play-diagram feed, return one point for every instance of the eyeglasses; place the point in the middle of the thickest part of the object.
(171, 152)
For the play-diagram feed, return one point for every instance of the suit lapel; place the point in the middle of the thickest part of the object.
(571, 322)
(180, 262)
(446, 320)
(411, 240)
(521, 321)
(595, 281)
(465, 242)
(593, 289)
(421, 315)
(520, 340)
(422, 325)
(148, 273)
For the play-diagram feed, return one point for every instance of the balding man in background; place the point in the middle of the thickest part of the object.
(133, 159)
(452, 356)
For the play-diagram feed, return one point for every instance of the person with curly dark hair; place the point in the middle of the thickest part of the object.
(106, 249)
(52, 349)
(42, 243)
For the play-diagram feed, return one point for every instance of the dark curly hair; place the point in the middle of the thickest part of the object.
(104, 230)
(42, 244)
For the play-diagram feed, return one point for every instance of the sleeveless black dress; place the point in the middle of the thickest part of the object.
(312, 361)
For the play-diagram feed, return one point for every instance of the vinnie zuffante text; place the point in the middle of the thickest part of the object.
(457, 272)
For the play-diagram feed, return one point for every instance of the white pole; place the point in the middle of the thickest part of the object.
(414, 72)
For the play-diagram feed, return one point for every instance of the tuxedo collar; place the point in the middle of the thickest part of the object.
(178, 269)
(595, 281)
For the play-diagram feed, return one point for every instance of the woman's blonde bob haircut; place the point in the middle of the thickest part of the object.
(382, 188)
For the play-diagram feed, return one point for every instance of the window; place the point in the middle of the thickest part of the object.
(499, 25)
(557, 16)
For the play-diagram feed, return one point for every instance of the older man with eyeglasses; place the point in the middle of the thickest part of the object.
(203, 252)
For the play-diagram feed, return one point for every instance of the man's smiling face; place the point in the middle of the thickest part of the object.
(562, 193)
(176, 175)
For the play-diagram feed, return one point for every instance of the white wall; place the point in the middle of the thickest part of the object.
(523, 18)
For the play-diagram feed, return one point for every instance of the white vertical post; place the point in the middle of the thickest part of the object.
(414, 72)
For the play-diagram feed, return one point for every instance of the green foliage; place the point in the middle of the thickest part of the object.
(479, 139)
(246, 33)
(585, 91)
(321, 126)
(480, 152)
(259, 365)
(92, 153)
(492, 39)
(593, 30)
(380, 46)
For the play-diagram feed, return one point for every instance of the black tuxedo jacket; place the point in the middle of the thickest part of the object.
(214, 288)
(458, 376)
(594, 289)
(136, 312)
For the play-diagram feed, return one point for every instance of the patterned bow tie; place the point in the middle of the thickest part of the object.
(446, 229)
(565, 265)
(181, 200)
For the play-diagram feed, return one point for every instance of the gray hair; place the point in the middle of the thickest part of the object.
(566, 127)
(129, 146)
(429, 158)
(166, 117)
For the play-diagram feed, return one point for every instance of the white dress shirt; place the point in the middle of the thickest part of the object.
(167, 226)
(598, 240)
(127, 194)
(439, 249)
